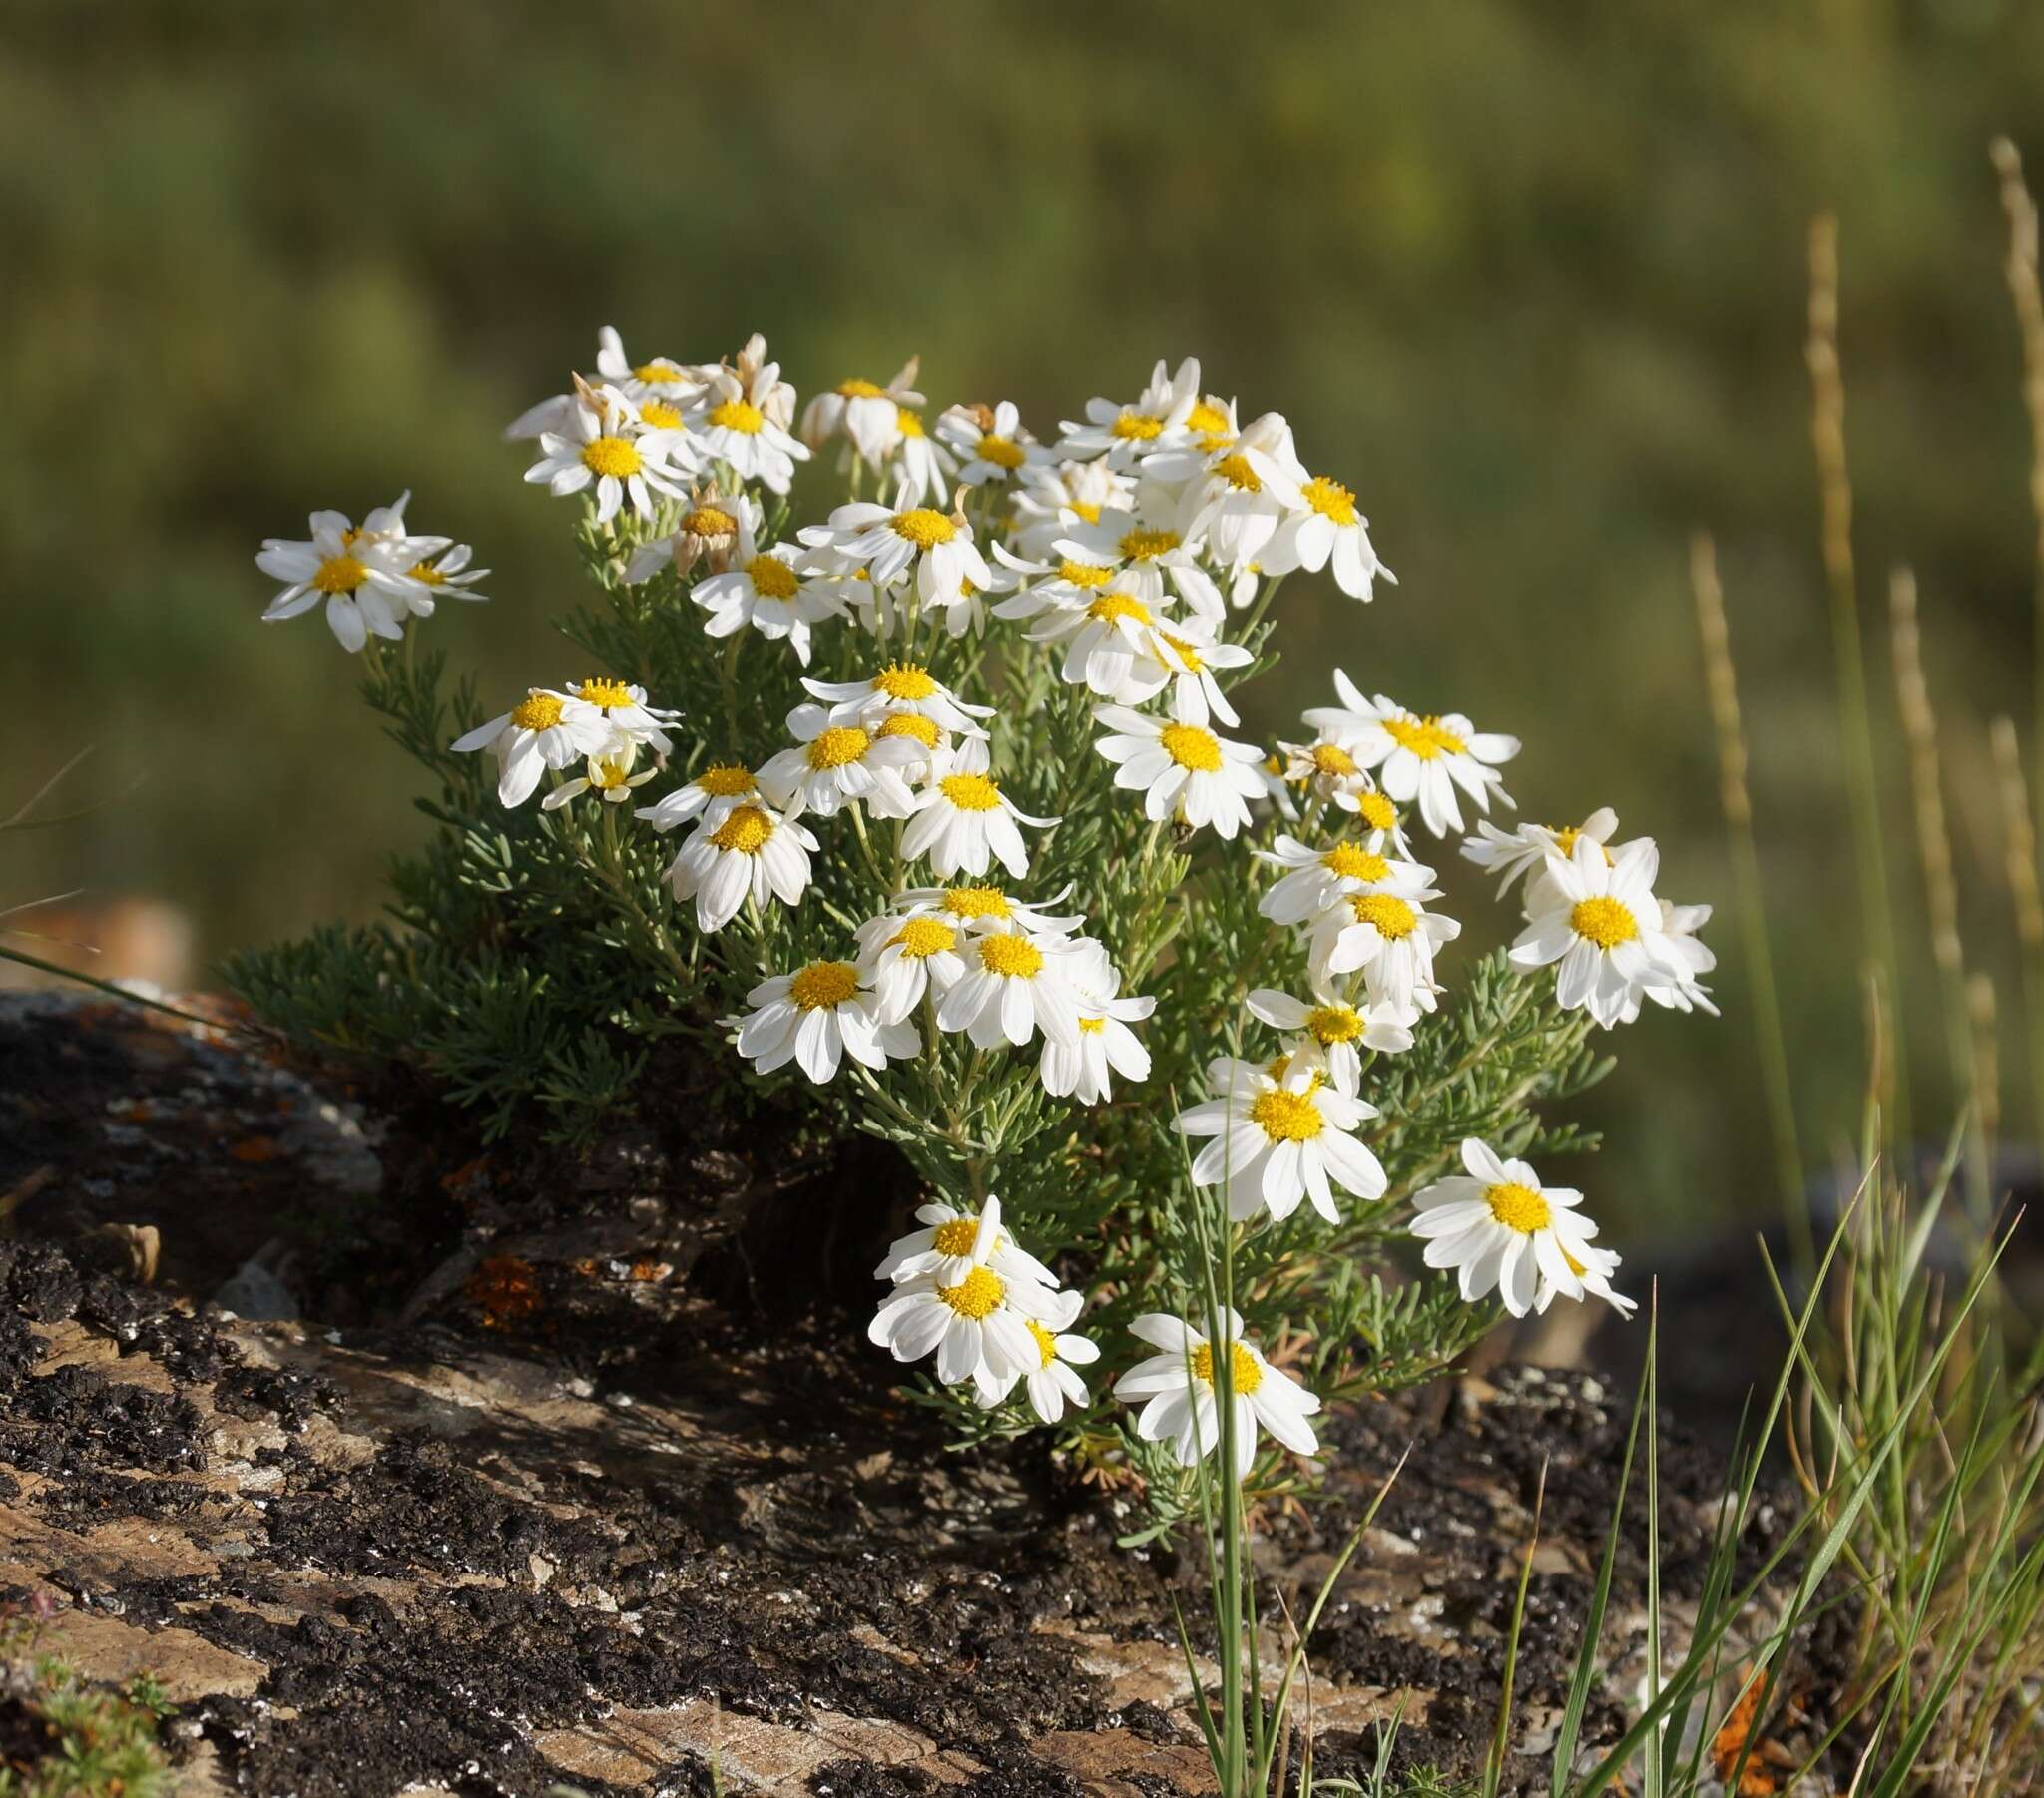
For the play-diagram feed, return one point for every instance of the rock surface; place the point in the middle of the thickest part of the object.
(555, 1516)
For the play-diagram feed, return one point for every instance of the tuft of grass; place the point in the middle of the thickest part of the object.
(63, 1736)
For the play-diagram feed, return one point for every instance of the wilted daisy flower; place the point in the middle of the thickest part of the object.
(1175, 1389)
(1121, 434)
(1141, 555)
(766, 593)
(1423, 759)
(604, 444)
(964, 820)
(713, 531)
(1329, 772)
(900, 687)
(983, 908)
(1316, 878)
(833, 765)
(863, 414)
(1600, 920)
(888, 544)
(1105, 1043)
(1525, 850)
(994, 446)
(365, 576)
(902, 957)
(543, 730)
(1594, 1271)
(625, 706)
(448, 577)
(1014, 986)
(1053, 501)
(1331, 1033)
(713, 790)
(957, 1241)
(1051, 1383)
(747, 851)
(1323, 529)
(977, 1325)
(740, 418)
(1183, 771)
(1391, 936)
(609, 776)
(1278, 1140)
(816, 1016)
(1498, 1226)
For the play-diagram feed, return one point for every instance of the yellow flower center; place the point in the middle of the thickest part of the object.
(744, 831)
(905, 680)
(1395, 919)
(659, 375)
(958, 1237)
(1426, 738)
(1518, 1208)
(1334, 1024)
(658, 415)
(426, 574)
(609, 772)
(610, 456)
(1143, 546)
(1351, 863)
(925, 526)
(1111, 607)
(1084, 574)
(858, 389)
(1245, 1373)
(1606, 922)
(1187, 653)
(1192, 747)
(725, 780)
(1000, 451)
(823, 985)
(1565, 836)
(772, 577)
(710, 521)
(921, 937)
(1046, 1343)
(912, 723)
(976, 1295)
(908, 423)
(1011, 956)
(835, 747)
(739, 415)
(1137, 427)
(597, 691)
(1329, 499)
(1210, 422)
(971, 792)
(1377, 811)
(975, 902)
(1092, 1027)
(1332, 758)
(1089, 510)
(1286, 1117)
(537, 712)
(340, 574)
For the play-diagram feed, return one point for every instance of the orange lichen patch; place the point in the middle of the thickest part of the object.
(466, 1175)
(1737, 1739)
(505, 1290)
(648, 1272)
(253, 1151)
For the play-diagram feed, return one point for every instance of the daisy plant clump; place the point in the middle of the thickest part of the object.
(897, 767)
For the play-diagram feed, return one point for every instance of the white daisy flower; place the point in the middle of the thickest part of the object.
(659, 379)
(714, 530)
(1321, 528)
(924, 469)
(954, 1242)
(888, 544)
(625, 706)
(1500, 1228)
(1183, 771)
(1175, 1389)
(902, 957)
(1143, 556)
(740, 418)
(1689, 961)
(993, 444)
(747, 851)
(977, 1326)
(900, 687)
(866, 415)
(984, 908)
(1105, 1046)
(834, 765)
(1278, 1140)
(1190, 649)
(1423, 759)
(767, 594)
(1231, 507)
(610, 777)
(1108, 632)
(1594, 1270)
(1390, 937)
(1055, 501)
(604, 444)
(543, 730)
(1601, 921)
(1331, 1033)
(1522, 852)
(1210, 430)
(712, 791)
(964, 820)
(1051, 1383)
(1316, 878)
(814, 1018)
(447, 577)
(1121, 434)
(364, 574)
(1012, 986)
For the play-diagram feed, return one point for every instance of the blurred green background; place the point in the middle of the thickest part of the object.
(1530, 277)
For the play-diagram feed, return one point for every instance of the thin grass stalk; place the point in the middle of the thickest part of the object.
(2027, 299)
(1828, 436)
(1502, 1737)
(1982, 1018)
(2019, 858)
(1722, 684)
